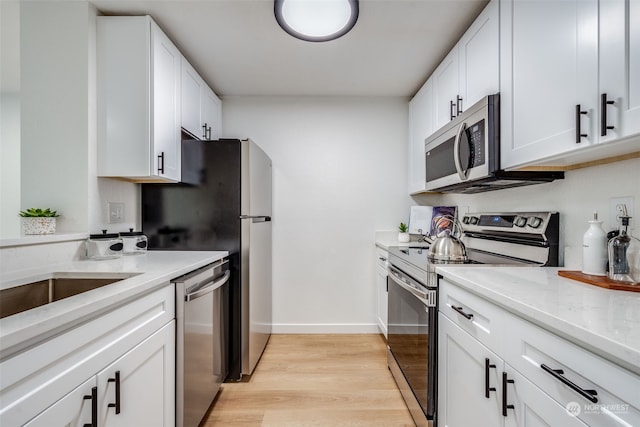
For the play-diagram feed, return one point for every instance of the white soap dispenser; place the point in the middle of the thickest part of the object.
(594, 249)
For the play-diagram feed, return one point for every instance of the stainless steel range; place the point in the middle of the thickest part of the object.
(495, 238)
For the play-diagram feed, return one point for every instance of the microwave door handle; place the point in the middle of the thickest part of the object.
(456, 153)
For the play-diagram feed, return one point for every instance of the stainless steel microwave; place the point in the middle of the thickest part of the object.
(464, 155)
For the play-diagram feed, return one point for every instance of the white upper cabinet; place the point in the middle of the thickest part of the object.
(420, 127)
(211, 114)
(471, 70)
(619, 49)
(138, 100)
(201, 108)
(192, 88)
(553, 80)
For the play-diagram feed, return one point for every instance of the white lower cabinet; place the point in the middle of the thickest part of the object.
(382, 289)
(74, 410)
(463, 366)
(50, 384)
(138, 389)
(477, 388)
(497, 369)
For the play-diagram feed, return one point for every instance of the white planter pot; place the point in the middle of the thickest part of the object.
(404, 237)
(38, 225)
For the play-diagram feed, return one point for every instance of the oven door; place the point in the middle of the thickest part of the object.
(412, 336)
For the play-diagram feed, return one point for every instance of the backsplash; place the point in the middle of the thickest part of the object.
(27, 256)
(575, 198)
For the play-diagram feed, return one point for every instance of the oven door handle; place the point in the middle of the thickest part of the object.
(425, 297)
(463, 174)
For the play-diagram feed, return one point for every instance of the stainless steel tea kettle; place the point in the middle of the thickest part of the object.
(447, 248)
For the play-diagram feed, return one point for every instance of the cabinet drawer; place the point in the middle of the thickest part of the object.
(382, 258)
(477, 316)
(33, 380)
(617, 402)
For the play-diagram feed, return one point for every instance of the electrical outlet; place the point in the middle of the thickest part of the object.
(116, 212)
(615, 209)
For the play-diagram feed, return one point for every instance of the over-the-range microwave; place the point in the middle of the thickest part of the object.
(464, 155)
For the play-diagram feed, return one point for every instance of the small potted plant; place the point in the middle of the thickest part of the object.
(39, 221)
(403, 234)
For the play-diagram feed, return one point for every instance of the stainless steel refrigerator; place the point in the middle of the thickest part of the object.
(223, 203)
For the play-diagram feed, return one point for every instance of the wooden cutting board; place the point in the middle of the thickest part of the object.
(602, 281)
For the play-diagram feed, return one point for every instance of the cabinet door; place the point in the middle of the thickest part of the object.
(211, 114)
(445, 89)
(73, 410)
(166, 105)
(463, 379)
(548, 66)
(620, 66)
(479, 56)
(383, 298)
(191, 89)
(532, 407)
(145, 391)
(420, 127)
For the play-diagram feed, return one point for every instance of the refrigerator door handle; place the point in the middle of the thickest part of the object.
(256, 218)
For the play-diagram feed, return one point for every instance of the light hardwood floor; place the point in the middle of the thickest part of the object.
(315, 380)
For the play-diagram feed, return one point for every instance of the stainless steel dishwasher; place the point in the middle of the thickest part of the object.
(202, 330)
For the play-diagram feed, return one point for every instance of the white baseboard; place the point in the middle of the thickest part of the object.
(325, 328)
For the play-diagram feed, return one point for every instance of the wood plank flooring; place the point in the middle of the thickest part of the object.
(315, 380)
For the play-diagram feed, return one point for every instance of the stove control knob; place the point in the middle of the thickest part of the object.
(520, 221)
(534, 222)
(465, 219)
(474, 220)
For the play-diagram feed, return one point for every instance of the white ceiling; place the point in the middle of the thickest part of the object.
(239, 49)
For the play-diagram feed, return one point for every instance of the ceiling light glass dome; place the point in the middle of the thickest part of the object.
(316, 20)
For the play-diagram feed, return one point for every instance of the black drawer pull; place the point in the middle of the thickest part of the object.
(558, 374)
(467, 316)
(603, 114)
(487, 388)
(161, 163)
(94, 407)
(579, 133)
(116, 380)
(505, 382)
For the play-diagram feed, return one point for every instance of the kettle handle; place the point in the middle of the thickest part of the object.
(456, 225)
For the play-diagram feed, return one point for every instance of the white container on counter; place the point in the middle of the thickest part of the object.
(594, 249)
(134, 242)
(104, 246)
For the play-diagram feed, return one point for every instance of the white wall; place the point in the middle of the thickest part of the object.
(9, 117)
(339, 167)
(575, 198)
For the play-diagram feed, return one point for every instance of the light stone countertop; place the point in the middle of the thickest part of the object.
(153, 270)
(386, 238)
(606, 322)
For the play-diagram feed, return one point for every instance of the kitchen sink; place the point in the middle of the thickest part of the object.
(59, 286)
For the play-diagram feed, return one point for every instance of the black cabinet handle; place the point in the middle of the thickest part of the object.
(94, 407)
(451, 115)
(558, 374)
(603, 114)
(458, 105)
(161, 162)
(204, 131)
(468, 316)
(487, 389)
(505, 405)
(208, 133)
(116, 380)
(579, 133)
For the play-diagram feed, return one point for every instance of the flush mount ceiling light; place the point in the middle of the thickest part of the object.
(316, 20)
